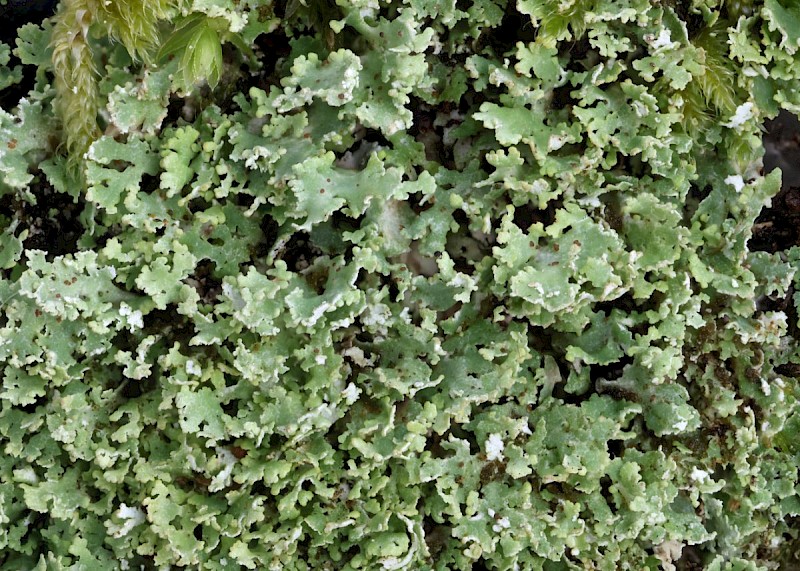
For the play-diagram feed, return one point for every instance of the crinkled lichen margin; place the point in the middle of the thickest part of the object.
(421, 285)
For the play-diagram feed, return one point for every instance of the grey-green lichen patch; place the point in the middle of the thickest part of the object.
(417, 285)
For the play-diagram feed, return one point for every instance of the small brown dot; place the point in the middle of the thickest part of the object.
(322, 191)
(74, 279)
(341, 96)
(37, 313)
(58, 296)
(12, 144)
(67, 282)
(556, 247)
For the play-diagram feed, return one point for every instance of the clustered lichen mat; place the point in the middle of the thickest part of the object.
(318, 285)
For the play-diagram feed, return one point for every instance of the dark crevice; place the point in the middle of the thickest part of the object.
(778, 227)
(299, 252)
(53, 223)
(133, 388)
(605, 488)
(692, 18)
(243, 200)
(231, 408)
(695, 196)
(691, 559)
(415, 202)
(270, 230)
(198, 204)
(205, 281)
(193, 483)
(272, 48)
(515, 27)
(575, 50)
(437, 535)
(527, 214)
(15, 14)
(611, 371)
(170, 323)
(561, 98)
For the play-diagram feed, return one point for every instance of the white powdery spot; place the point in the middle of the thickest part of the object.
(459, 280)
(743, 113)
(698, 475)
(501, 524)
(395, 126)
(237, 21)
(132, 517)
(664, 40)
(351, 393)
(356, 354)
(555, 142)
(495, 447)
(773, 323)
(667, 552)
(193, 368)
(736, 181)
(377, 317)
(228, 461)
(680, 426)
(350, 81)
(237, 301)
(395, 563)
(318, 312)
(539, 186)
(640, 109)
(135, 318)
(339, 524)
